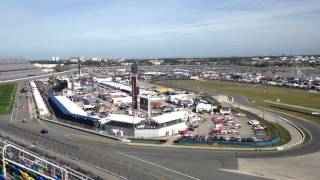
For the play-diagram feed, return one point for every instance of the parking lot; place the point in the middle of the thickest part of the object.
(228, 127)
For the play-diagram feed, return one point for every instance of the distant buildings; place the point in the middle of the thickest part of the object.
(95, 59)
(156, 62)
(55, 58)
(76, 59)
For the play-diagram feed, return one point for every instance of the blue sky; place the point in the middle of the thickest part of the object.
(37, 29)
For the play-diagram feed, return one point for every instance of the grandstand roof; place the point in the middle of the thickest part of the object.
(69, 107)
(125, 87)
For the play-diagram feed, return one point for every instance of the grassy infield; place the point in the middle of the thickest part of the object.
(257, 94)
(7, 97)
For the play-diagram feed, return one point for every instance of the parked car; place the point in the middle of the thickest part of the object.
(240, 115)
(254, 122)
(237, 125)
(259, 128)
(44, 131)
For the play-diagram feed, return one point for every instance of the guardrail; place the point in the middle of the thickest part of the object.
(283, 119)
(250, 144)
(298, 128)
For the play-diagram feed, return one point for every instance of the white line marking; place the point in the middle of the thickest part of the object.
(133, 157)
(16, 104)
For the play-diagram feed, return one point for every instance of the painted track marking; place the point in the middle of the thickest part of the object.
(157, 165)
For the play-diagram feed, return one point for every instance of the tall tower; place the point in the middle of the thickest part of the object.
(134, 92)
(134, 87)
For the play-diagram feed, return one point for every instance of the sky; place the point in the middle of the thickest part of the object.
(40, 29)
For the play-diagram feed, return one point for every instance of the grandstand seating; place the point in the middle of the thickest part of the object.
(23, 164)
(17, 68)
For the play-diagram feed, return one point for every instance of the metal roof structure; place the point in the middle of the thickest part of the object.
(126, 88)
(40, 104)
(69, 108)
(164, 118)
(124, 118)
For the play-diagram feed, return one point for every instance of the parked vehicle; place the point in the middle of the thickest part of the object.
(240, 115)
(44, 131)
(237, 125)
(254, 122)
(259, 128)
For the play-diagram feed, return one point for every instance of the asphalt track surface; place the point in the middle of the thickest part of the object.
(172, 163)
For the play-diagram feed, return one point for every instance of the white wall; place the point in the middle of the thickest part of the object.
(174, 129)
(148, 133)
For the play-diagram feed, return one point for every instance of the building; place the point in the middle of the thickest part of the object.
(76, 59)
(71, 111)
(41, 106)
(55, 58)
(95, 59)
(204, 107)
(163, 125)
(156, 62)
(123, 122)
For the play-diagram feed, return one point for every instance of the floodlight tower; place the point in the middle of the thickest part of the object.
(134, 91)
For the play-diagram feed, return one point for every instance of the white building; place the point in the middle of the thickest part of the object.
(76, 59)
(164, 125)
(95, 59)
(121, 99)
(54, 58)
(205, 107)
(225, 110)
(156, 62)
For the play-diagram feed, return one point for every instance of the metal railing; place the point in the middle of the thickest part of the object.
(110, 164)
(36, 164)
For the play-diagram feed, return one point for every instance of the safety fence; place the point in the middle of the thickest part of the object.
(18, 162)
(110, 164)
(160, 141)
(240, 143)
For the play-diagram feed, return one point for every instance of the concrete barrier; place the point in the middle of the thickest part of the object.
(81, 129)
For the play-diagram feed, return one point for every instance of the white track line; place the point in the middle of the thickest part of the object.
(177, 172)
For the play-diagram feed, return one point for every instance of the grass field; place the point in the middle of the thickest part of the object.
(256, 93)
(7, 97)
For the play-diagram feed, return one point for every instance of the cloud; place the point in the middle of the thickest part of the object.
(202, 22)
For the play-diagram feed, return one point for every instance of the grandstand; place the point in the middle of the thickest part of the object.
(17, 68)
(20, 163)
